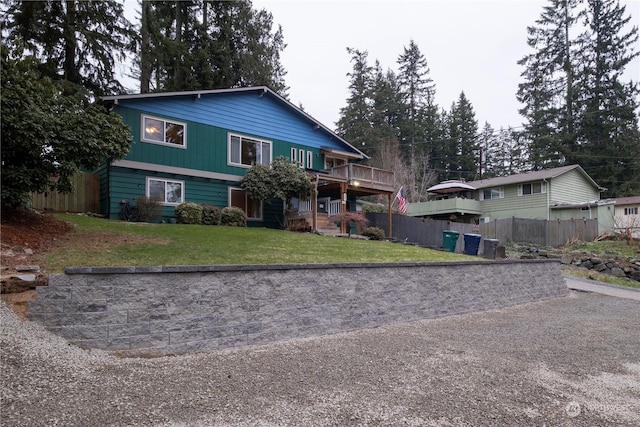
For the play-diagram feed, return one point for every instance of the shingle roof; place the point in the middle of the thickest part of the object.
(632, 200)
(529, 177)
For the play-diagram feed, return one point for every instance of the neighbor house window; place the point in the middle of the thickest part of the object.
(492, 193)
(631, 211)
(244, 151)
(240, 199)
(167, 191)
(532, 188)
(161, 131)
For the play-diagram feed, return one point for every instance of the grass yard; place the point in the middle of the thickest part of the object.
(99, 242)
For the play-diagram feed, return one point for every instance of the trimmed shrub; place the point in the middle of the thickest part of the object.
(211, 215)
(148, 208)
(189, 213)
(375, 208)
(234, 217)
(373, 233)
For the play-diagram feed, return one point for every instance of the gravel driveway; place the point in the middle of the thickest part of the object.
(567, 361)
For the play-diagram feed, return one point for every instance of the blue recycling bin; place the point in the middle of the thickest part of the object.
(471, 244)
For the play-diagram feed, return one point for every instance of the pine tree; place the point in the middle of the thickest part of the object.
(354, 124)
(209, 44)
(386, 109)
(80, 42)
(418, 92)
(550, 89)
(609, 136)
(462, 141)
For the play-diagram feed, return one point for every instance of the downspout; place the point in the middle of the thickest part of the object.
(548, 185)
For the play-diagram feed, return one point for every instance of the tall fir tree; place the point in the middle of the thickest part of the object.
(609, 138)
(418, 92)
(209, 44)
(354, 124)
(578, 108)
(80, 42)
(550, 89)
(462, 139)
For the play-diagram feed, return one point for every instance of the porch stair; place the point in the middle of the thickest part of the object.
(326, 226)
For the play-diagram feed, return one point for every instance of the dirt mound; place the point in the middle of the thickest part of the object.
(25, 237)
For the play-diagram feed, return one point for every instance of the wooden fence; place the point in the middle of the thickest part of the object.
(428, 232)
(85, 197)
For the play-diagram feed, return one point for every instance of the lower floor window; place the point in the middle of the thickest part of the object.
(167, 191)
(240, 199)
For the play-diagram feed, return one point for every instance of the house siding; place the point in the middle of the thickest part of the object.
(242, 112)
(572, 187)
(525, 206)
(127, 184)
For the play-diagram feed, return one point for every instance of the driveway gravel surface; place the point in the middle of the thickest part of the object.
(570, 361)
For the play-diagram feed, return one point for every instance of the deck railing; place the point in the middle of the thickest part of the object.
(363, 175)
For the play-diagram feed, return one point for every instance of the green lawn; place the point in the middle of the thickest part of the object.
(100, 242)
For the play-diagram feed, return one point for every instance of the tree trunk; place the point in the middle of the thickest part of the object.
(145, 49)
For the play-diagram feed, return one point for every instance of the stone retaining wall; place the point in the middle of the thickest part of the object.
(179, 309)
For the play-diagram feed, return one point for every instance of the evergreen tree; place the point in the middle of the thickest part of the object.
(418, 92)
(578, 109)
(462, 139)
(209, 44)
(550, 89)
(77, 41)
(609, 137)
(354, 124)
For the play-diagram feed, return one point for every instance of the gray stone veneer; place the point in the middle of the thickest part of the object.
(179, 309)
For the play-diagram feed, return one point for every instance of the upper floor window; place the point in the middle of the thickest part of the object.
(161, 131)
(244, 151)
(492, 193)
(332, 162)
(298, 158)
(532, 188)
(169, 192)
(631, 211)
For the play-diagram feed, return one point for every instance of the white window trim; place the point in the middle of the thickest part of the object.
(301, 158)
(164, 202)
(499, 189)
(166, 144)
(543, 188)
(294, 155)
(241, 165)
(246, 195)
(310, 159)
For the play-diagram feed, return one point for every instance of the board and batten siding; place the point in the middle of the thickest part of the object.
(572, 187)
(206, 146)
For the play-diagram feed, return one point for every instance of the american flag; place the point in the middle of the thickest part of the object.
(402, 200)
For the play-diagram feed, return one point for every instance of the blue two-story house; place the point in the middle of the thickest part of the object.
(196, 146)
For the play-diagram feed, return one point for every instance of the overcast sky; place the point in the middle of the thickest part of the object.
(470, 45)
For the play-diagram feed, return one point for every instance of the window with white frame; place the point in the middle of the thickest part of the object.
(294, 155)
(169, 192)
(631, 211)
(240, 199)
(245, 151)
(310, 159)
(161, 131)
(532, 188)
(492, 193)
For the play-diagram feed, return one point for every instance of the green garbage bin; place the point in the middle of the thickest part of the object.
(449, 240)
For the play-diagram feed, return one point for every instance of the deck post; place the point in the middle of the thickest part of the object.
(343, 206)
(390, 228)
